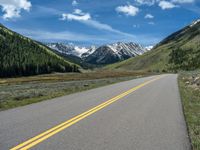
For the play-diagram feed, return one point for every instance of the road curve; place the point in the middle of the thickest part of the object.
(141, 114)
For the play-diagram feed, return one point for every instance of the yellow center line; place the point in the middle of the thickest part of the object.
(47, 134)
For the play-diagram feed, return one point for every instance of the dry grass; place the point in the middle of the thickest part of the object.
(71, 76)
(21, 91)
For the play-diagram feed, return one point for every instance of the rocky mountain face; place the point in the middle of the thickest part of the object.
(111, 53)
(105, 54)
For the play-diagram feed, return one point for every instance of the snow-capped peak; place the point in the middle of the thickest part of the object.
(195, 22)
(71, 49)
(80, 50)
(111, 53)
(149, 47)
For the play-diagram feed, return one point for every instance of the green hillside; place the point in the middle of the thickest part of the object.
(21, 56)
(179, 51)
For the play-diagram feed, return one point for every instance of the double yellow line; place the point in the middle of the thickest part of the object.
(45, 135)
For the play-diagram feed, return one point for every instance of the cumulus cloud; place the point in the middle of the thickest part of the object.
(128, 10)
(78, 12)
(148, 16)
(183, 1)
(12, 8)
(77, 15)
(166, 5)
(74, 3)
(146, 2)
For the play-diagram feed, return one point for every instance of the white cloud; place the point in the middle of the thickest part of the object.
(128, 10)
(166, 5)
(146, 2)
(149, 16)
(85, 18)
(78, 12)
(77, 15)
(12, 8)
(183, 1)
(74, 3)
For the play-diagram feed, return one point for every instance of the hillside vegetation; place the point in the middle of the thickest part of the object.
(21, 56)
(179, 51)
(189, 85)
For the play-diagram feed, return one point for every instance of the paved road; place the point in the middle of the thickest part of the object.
(148, 118)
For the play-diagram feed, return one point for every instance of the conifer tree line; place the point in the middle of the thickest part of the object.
(20, 56)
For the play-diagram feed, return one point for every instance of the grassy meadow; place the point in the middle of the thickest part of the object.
(21, 91)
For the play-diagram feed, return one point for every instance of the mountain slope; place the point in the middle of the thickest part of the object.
(179, 51)
(22, 56)
(112, 53)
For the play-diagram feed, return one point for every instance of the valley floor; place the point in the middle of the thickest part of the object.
(21, 91)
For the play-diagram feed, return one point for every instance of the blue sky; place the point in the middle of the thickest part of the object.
(97, 22)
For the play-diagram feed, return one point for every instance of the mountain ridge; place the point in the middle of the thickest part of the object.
(178, 51)
(116, 51)
(111, 53)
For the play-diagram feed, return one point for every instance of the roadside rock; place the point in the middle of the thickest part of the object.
(187, 82)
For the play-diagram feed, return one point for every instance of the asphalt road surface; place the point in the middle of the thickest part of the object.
(141, 114)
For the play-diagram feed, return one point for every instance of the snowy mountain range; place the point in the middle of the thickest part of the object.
(71, 49)
(104, 54)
